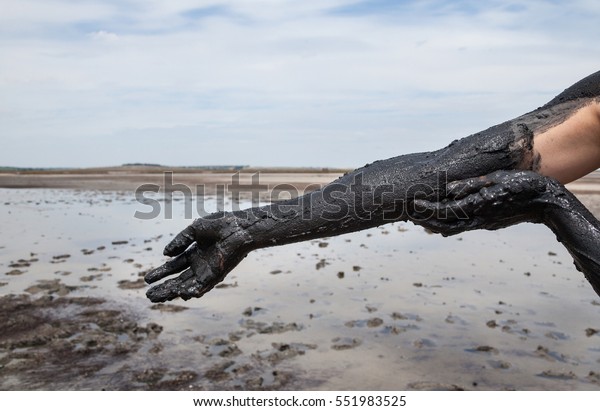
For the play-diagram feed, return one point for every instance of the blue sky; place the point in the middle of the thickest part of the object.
(275, 82)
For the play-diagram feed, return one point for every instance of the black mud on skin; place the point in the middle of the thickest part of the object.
(394, 190)
(504, 198)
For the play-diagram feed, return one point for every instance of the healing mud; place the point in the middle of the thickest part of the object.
(388, 308)
(58, 343)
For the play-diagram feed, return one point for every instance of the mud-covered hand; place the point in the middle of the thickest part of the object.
(204, 253)
(505, 198)
(497, 200)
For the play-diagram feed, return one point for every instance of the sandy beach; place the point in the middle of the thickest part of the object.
(390, 308)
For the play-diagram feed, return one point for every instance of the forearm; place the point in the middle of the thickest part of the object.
(577, 228)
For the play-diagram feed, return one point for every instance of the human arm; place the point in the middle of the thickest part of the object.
(567, 151)
(571, 149)
(207, 250)
(373, 195)
(505, 198)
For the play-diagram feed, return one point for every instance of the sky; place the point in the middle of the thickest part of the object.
(317, 83)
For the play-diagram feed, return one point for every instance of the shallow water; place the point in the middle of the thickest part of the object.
(387, 308)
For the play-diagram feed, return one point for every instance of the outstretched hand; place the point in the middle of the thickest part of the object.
(204, 253)
(497, 200)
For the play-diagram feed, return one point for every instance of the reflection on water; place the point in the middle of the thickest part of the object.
(388, 308)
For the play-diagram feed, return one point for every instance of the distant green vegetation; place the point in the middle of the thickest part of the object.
(218, 167)
(142, 165)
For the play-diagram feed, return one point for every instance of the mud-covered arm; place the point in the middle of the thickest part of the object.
(206, 251)
(381, 192)
(505, 198)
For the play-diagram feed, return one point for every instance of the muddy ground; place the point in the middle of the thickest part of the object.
(390, 308)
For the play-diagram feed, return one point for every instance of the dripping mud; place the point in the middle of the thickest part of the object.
(388, 308)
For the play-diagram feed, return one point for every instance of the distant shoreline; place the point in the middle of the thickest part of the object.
(159, 169)
(130, 178)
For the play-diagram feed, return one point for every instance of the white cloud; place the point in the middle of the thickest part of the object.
(102, 35)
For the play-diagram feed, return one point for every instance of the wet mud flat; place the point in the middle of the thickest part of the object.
(389, 308)
(71, 343)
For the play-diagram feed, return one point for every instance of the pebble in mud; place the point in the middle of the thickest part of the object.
(16, 272)
(218, 372)
(559, 375)
(222, 348)
(345, 343)
(403, 316)
(424, 343)
(556, 335)
(374, 322)
(552, 356)
(284, 351)
(160, 379)
(21, 263)
(150, 376)
(433, 386)
(593, 377)
(370, 323)
(484, 348)
(236, 335)
(454, 319)
(500, 365)
(51, 287)
(168, 308)
(321, 264)
(176, 380)
(132, 285)
(491, 324)
(273, 328)
(226, 285)
(395, 330)
(103, 268)
(250, 311)
(88, 278)
(247, 379)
